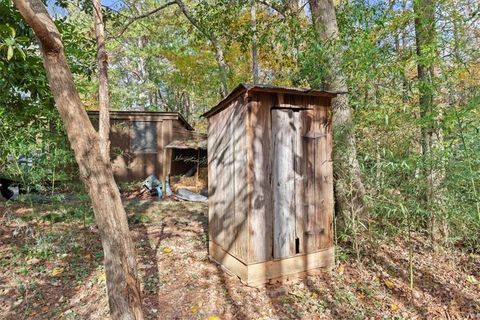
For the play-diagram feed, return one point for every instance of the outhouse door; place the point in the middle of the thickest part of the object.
(301, 172)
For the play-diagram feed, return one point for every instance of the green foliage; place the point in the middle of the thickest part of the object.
(138, 218)
(30, 125)
(163, 62)
(379, 61)
(10, 41)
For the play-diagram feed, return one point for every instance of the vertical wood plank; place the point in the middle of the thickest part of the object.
(221, 150)
(320, 142)
(240, 177)
(228, 180)
(167, 137)
(215, 196)
(160, 156)
(283, 133)
(309, 182)
(212, 182)
(319, 184)
(327, 173)
(259, 171)
(216, 154)
(299, 178)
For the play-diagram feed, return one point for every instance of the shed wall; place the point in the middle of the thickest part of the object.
(240, 157)
(318, 196)
(130, 165)
(228, 204)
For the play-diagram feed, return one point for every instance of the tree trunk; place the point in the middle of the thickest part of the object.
(103, 99)
(255, 69)
(119, 254)
(222, 65)
(349, 188)
(430, 113)
(403, 49)
(292, 6)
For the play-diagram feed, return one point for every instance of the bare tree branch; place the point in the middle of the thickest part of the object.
(278, 9)
(145, 15)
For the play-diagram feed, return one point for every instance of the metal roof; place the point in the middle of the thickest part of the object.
(247, 87)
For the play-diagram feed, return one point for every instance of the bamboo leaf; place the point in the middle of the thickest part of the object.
(9, 52)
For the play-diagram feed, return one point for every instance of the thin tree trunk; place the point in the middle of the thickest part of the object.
(219, 56)
(292, 6)
(222, 65)
(399, 51)
(403, 48)
(142, 75)
(185, 100)
(255, 69)
(96, 173)
(103, 99)
(349, 188)
(430, 114)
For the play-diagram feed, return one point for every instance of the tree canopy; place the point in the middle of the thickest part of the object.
(164, 59)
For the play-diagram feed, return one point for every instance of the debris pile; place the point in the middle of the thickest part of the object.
(190, 181)
(183, 188)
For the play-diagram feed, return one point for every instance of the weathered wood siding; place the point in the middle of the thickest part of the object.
(131, 165)
(228, 181)
(239, 142)
(295, 175)
(271, 183)
(318, 186)
(259, 177)
(270, 177)
(300, 181)
(283, 182)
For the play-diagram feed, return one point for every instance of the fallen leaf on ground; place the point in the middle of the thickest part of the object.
(194, 309)
(102, 277)
(56, 272)
(213, 318)
(394, 307)
(471, 279)
(33, 261)
(389, 283)
(341, 269)
(167, 250)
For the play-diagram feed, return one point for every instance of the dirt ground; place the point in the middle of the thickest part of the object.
(51, 268)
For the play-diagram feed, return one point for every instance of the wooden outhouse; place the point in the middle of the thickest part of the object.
(271, 182)
(141, 143)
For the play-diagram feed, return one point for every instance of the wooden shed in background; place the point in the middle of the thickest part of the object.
(144, 143)
(271, 182)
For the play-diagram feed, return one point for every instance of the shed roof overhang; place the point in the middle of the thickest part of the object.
(247, 88)
(145, 116)
(188, 144)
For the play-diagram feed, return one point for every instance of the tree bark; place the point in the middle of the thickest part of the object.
(219, 56)
(255, 69)
(349, 188)
(119, 254)
(103, 99)
(430, 113)
(292, 6)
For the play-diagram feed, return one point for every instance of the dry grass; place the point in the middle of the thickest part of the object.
(191, 183)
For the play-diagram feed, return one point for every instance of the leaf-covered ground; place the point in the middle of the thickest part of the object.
(51, 268)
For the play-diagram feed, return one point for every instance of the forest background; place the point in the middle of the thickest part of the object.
(185, 55)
